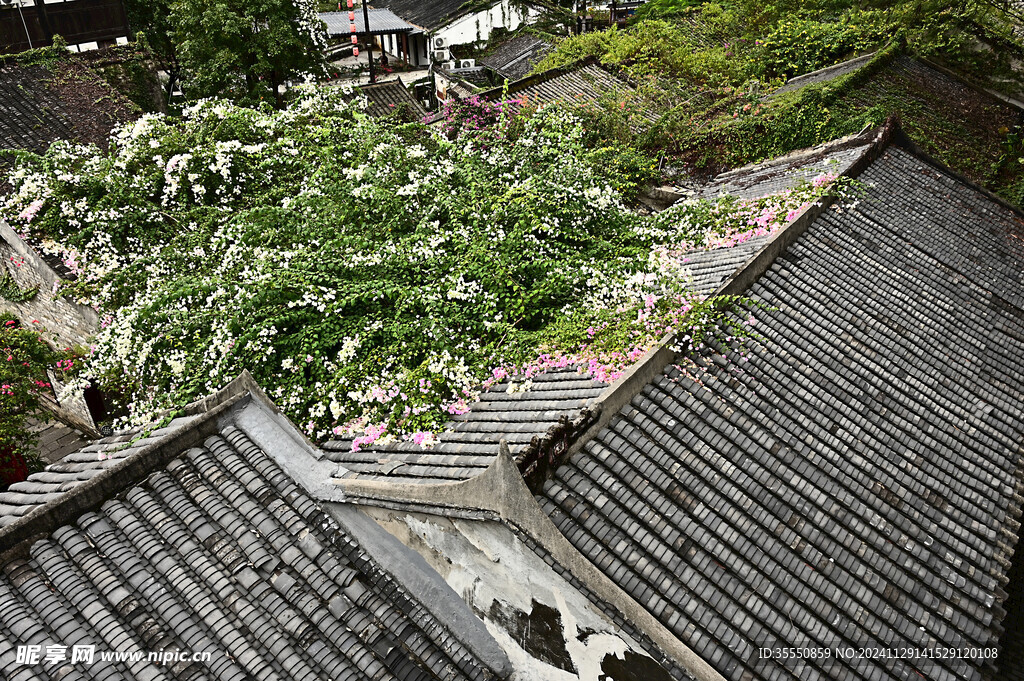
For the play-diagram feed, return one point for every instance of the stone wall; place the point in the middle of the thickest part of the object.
(65, 322)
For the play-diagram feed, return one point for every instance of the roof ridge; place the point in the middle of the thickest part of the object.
(500, 493)
(569, 437)
(543, 77)
(866, 56)
(134, 468)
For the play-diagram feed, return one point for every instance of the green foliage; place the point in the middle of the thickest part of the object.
(370, 275)
(711, 69)
(132, 71)
(11, 292)
(628, 170)
(662, 9)
(796, 46)
(152, 19)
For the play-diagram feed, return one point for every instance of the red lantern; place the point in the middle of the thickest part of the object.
(350, 5)
(352, 16)
(352, 29)
(355, 40)
(355, 51)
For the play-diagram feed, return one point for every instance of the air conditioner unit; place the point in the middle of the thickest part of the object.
(442, 55)
(467, 63)
(451, 65)
(439, 43)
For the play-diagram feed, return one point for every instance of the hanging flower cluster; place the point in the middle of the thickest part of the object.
(372, 276)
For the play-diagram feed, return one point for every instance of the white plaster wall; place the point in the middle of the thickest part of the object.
(490, 568)
(478, 27)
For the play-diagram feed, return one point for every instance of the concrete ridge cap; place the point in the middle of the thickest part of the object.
(501, 491)
(825, 69)
(132, 470)
(70, 419)
(846, 140)
(239, 385)
(745, 275)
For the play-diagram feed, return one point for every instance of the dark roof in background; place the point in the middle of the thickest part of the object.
(78, 467)
(387, 97)
(515, 58)
(63, 100)
(850, 477)
(30, 113)
(217, 550)
(584, 82)
(473, 79)
(381, 21)
(428, 14)
(55, 439)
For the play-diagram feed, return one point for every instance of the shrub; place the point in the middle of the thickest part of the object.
(24, 360)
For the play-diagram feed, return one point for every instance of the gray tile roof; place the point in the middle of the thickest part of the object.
(586, 82)
(78, 467)
(515, 58)
(30, 114)
(217, 550)
(472, 79)
(428, 14)
(854, 477)
(382, 21)
(55, 439)
(469, 442)
(66, 99)
(387, 97)
(710, 268)
(785, 172)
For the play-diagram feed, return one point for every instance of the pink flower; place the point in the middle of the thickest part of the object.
(31, 210)
(823, 179)
(423, 438)
(371, 435)
(459, 407)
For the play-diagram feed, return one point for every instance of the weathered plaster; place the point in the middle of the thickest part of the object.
(478, 27)
(501, 492)
(509, 586)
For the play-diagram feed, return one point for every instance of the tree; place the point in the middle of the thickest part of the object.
(246, 49)
(152, 19)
